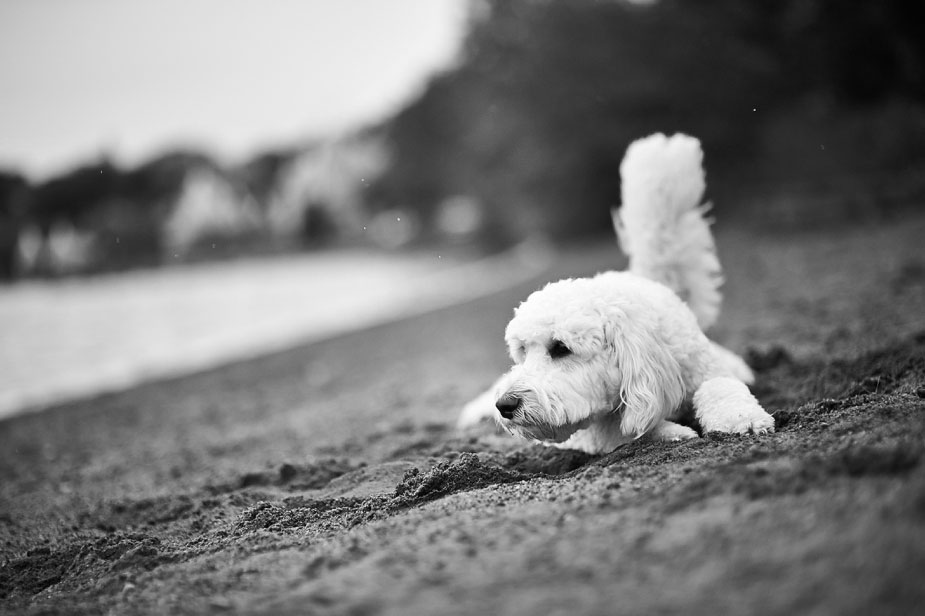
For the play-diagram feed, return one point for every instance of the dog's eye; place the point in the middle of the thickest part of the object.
(558, 349)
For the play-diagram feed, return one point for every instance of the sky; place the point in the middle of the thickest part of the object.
(129, 78)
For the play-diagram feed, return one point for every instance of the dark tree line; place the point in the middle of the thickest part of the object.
(548, 94)
(124, 210)
(123, 207)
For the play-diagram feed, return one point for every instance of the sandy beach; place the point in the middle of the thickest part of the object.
(329, 478)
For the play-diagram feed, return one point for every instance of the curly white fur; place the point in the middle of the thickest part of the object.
(662, 226)
(604, 360)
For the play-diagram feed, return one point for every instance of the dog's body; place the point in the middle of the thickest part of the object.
(604, 360)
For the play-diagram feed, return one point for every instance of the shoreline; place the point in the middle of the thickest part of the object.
(406, 287)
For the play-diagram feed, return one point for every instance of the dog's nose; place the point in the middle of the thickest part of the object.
(507, 404)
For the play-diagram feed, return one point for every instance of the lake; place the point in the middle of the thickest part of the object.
(78, 337)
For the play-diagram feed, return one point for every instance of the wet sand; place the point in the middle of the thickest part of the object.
(329, 479)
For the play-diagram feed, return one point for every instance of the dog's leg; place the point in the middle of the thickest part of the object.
(482, 407)
(479, 408)
(724, 404)
(670, 431)
(732, 363)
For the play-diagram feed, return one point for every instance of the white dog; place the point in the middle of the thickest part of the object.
(604, 360)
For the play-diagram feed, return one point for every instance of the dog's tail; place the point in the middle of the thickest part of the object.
(662, 225)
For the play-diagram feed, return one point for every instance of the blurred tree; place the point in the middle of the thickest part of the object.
(859, 52)
(535, 119)
(123, 211)
(160, 179)
(14, 195)
(318, 228)
(423, 138)
(262, 174)
(130, 226)
(550, 94)
(72, 196)
(70, 200)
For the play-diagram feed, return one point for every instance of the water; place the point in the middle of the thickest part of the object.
(66, 339)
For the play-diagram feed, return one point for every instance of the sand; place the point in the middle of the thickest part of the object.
(329, 479)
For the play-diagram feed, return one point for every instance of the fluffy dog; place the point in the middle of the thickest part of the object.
(601, 361)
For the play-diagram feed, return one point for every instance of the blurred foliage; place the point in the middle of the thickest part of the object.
(262, 174)
(14, 193)
(537, 115)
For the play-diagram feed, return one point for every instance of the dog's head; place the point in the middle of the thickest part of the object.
(585, 348)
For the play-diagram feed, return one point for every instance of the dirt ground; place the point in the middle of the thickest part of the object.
(330, 480)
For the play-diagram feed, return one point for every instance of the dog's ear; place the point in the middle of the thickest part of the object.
(650, 384)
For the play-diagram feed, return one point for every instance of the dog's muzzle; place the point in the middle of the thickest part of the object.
(507, 405)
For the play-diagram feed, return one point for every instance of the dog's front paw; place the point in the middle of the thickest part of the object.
(738, 421)
(670, 431)
(726, 405)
